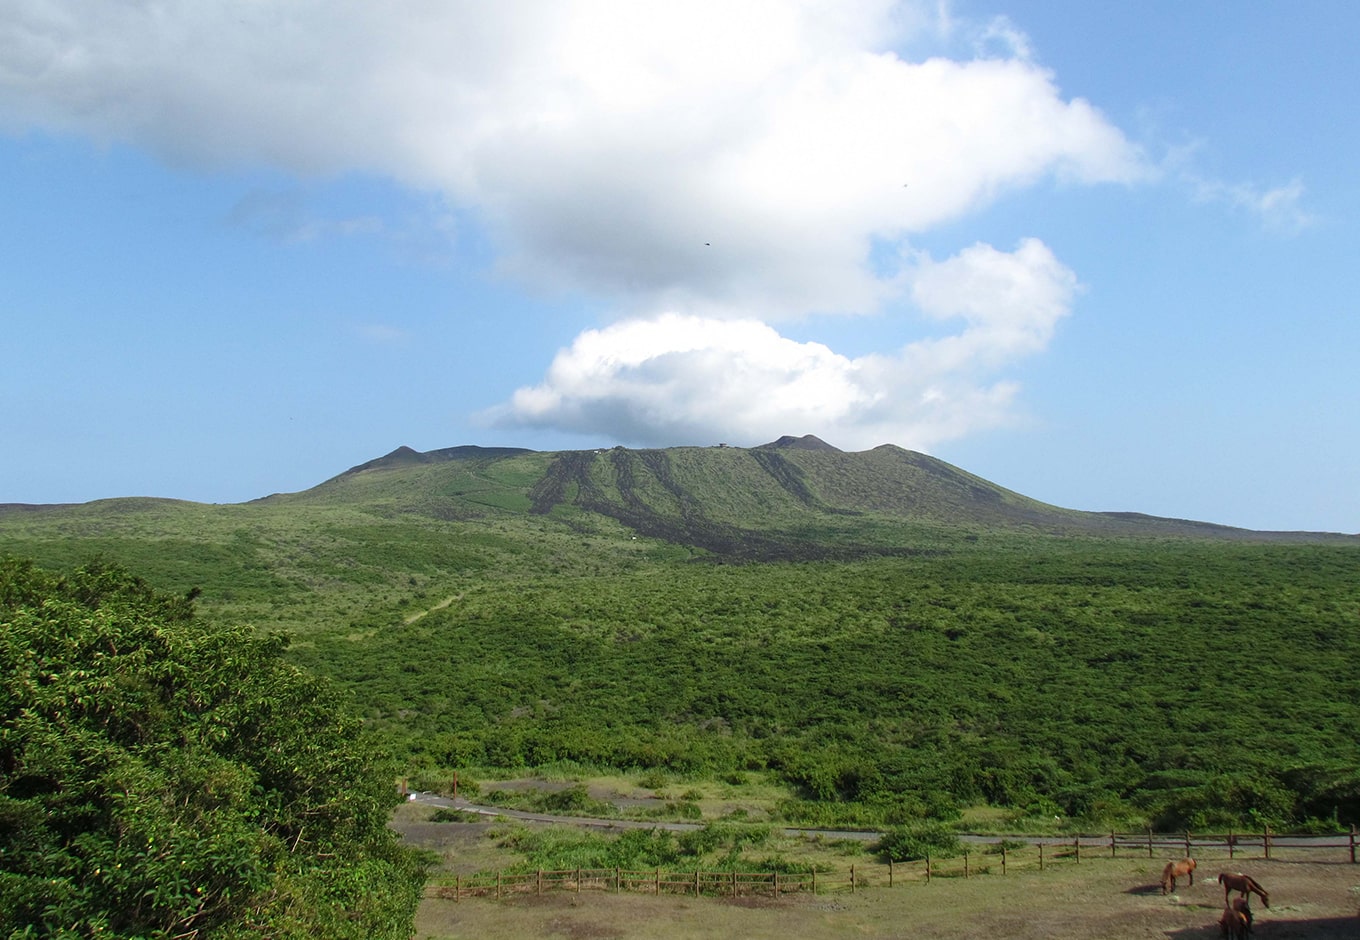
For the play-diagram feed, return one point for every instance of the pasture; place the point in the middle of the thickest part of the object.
(1118, 898)
(1314, 894)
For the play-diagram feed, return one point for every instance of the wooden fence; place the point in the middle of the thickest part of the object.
(1001, 857)
(654, 881)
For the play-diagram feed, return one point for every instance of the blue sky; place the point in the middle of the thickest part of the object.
(1102, 254)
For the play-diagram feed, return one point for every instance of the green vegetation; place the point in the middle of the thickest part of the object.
(923, 840)
(1191, 684)
(887, 639)
(160, 778)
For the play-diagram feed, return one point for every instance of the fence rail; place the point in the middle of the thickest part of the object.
(999, 857)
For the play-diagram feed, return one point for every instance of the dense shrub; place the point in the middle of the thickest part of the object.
(909, 843)
(159, 778)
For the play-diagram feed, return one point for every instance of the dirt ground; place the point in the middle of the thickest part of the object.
(1311, 899)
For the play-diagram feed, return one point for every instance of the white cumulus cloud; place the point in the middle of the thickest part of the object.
(688, 379)
(722, 163)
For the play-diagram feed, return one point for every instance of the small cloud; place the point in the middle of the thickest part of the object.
(286, 216)
(381, 333)
(1001, 37)
(1279, 209)
(276, 215)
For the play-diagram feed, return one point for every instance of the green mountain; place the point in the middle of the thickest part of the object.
(792, 498)
(411, 517)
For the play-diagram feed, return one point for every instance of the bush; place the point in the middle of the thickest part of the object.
(575, 800)
(909, 843)
(161, 778)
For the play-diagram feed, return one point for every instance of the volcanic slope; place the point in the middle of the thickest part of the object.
(791, 498)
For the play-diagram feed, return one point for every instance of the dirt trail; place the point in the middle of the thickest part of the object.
(429, 610)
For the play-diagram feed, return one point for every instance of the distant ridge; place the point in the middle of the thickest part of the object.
(792, 498)
(405, 456)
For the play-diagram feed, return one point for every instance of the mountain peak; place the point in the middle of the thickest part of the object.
(806, 442)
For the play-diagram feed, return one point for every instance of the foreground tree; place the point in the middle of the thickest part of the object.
(161, 778)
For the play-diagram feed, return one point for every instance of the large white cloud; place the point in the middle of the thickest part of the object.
(719, 161)
(686, 379)
(733, 156)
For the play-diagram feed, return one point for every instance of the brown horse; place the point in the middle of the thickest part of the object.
(1244, 883)
(1243, 907)
(1234, 924)
(1174, 870)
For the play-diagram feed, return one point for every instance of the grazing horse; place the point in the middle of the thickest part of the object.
(1174, 870)
(1244, 883)
(1234, 924)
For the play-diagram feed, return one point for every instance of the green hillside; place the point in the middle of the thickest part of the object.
(888, 635)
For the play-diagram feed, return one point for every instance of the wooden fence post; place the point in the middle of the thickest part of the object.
(657, 884)
(1041, 856)
(618, 880)
(578, 880)
(1352, 843)
(1187, 843)
(1266, 840)
(927, 868)
(1232, 848)
(890, 861)
(1111, 843)
(1003, 857)
(696, 882)
(852, 879)
(539, 889)
(1076, 848)
(457, 886)
(965, 865)
(1149, 842)
(498, 884)
(776, 883)
(734, 882)
(814, 882)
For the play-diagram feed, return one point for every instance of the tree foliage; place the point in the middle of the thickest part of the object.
(161, 778)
